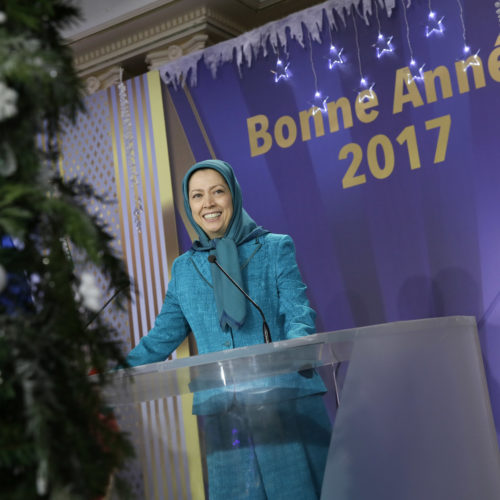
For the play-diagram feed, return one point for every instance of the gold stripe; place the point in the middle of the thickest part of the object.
(163, 443)
(176, 424)
(167, 203)
(163, 167)
(198, 121)
(152, 448)
(60, 160)
(179, 444)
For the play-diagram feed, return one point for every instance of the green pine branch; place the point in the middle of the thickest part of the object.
(58, 439)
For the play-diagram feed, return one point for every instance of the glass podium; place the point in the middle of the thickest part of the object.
(413, 419)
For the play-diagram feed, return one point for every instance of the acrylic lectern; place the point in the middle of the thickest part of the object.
(413, 420)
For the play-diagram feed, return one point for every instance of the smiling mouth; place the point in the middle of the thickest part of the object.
(212, 216)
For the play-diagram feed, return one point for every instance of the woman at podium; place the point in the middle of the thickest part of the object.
(267, 439)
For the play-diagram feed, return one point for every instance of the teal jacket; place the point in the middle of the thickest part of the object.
(272, 278)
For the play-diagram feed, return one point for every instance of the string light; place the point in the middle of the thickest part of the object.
(473, 60)
(434, 23)
(335, 53)
(281, 72)
(335, 57)
(318, 102)
(365, 91)
(416, 72)
(383, 43)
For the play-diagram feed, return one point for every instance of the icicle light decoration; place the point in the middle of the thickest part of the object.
(308, 22)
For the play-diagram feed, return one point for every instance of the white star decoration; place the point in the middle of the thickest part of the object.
(383, 45)
(281, 72)
(319, 103)
(473, 60)
(434, 25)
(365, 92)
(335, 57)
(416, 73)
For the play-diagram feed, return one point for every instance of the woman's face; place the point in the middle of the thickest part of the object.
(210, 201)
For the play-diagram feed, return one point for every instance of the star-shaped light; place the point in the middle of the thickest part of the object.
(335, 57)
(434, 24)
(383, 45)
(365, 92)
(473, 60)
(416, 72)
(281, 72)
(319, 103)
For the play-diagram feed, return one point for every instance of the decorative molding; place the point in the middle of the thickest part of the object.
(158, 58)
(155, 38)
(103, 80)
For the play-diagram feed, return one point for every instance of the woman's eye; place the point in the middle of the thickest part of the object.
(196, 195)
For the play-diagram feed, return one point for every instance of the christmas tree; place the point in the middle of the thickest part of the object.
(57, 438)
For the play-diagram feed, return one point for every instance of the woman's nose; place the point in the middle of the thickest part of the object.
(208, 201)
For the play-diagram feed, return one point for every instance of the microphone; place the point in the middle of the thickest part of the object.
(265, 328)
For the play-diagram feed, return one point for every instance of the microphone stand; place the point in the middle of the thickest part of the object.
(265, 328)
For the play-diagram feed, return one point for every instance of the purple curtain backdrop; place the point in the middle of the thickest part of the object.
(419, 243)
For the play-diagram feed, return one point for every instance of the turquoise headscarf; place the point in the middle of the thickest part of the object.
(231, 304)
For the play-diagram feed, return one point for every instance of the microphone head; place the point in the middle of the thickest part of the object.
(212, 259)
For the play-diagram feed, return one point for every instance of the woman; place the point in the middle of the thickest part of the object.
(244, 459)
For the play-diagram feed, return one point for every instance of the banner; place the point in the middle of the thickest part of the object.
(390, 186)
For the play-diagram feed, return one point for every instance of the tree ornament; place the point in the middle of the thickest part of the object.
(90, 292)
(8, 163)
(8, 101)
